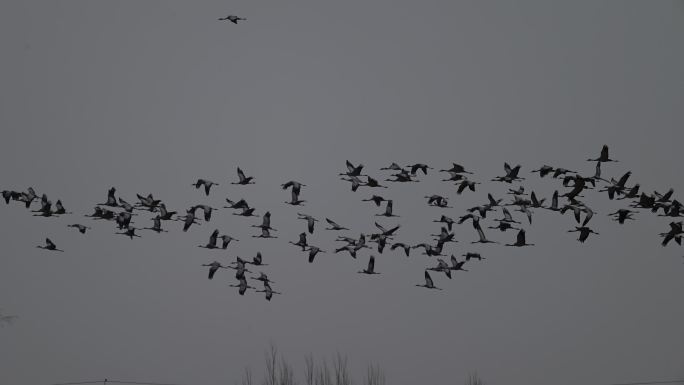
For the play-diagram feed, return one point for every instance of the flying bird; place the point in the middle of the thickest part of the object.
(371, 267)
(334, 225)
(604, 156)
(206, 183)
(232, 18)
(49, 245)
(243, 179)
(428, 282)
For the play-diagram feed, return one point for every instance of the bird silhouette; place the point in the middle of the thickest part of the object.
(604, 156)
(334, 225)
(232, 18)
(49, 245)
(206, 183)
(243, 180)
(428, 282)
(371, 267)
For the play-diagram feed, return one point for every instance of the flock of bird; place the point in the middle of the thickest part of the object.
(121, 212)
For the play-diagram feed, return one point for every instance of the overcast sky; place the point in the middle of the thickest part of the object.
(149, 96)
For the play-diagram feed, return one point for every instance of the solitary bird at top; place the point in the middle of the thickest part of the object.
(604, 156)
(233, 19)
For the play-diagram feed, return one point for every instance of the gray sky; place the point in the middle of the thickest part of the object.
(148, 96)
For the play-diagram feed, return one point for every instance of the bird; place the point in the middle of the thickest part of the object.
(206, 209)
(388, 210)
(233, 19)
(243, 286)
(554, 202)
(353, 171)
(375, 199)
(437, 200)
(507, 216)
(503, 226)
(212, 240)
(263, 278)
(393, 166)
(520, 240)
(313, 251)
(675, 233)
(10, 195)
(147, 202)
(296, 188)
(371, 182)
(206, 183)
(111, 198)
(419, 166)
(469, 255)
(441, 267)
(265, 233)
(269, 291)
(301, 242)
(444, 236)
(266, 222)
(241, 204)
(156, 226)
(49, 245)
(407, 248)
(130, 233)
(355, 181)
(444, 219)
(258, 260)
(457, 168)
(519, 191)
(81, 228)
(247, 212)
(561, 171)
(213, 268)
(310, 221)
(453, 177)
(59, 208)
(126, 206)
(164, 214)
(584, 232)
(188, 220)
(430, 251)
(604, 156)
(456, 265)
(428, 282)
(349, 248)
(535, 202)
(403, 176)
(334, 225)
(543, 170)
(371, 267)
(243, 179)
(481, 235)
(387, 232)
(466, 183)
(225, 241)
(511, 174)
